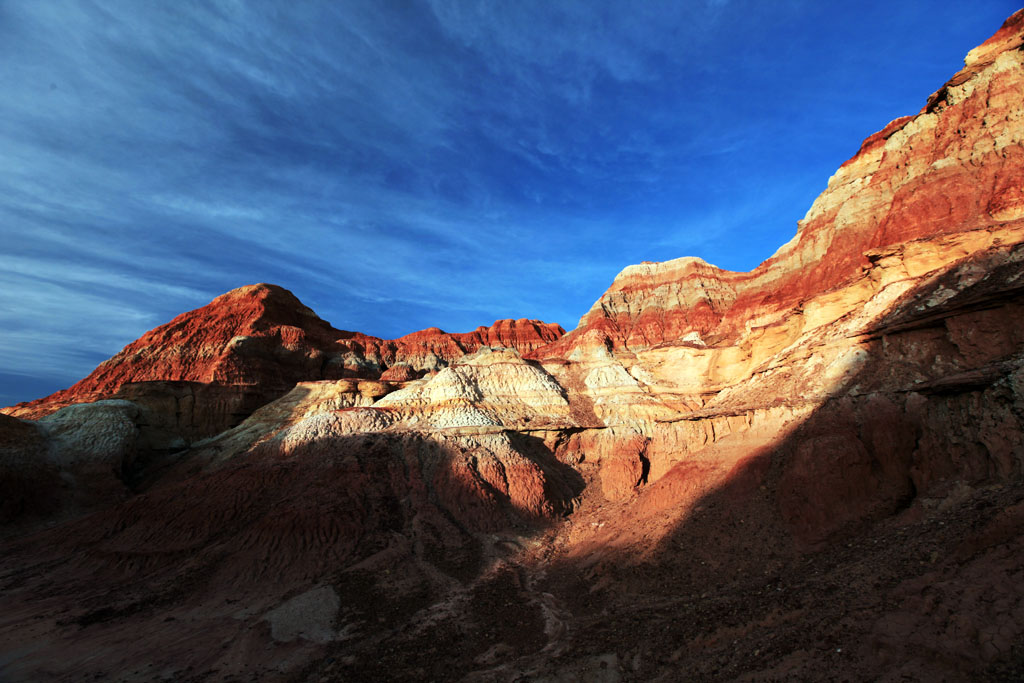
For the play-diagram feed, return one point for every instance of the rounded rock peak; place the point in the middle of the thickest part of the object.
(258, 289)
(673, 268)
(264, 294)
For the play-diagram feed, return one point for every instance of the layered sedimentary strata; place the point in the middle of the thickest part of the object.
(810, 470)
(952, 168)
(211, 367)
(257, 335)
(432, 349)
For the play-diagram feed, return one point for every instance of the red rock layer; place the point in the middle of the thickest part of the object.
(433, 348)
(255, 335)
(523, 335)
(874, 409)
(254, 343)
(953, 167)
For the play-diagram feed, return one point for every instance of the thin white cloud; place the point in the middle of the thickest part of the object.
(396, 165)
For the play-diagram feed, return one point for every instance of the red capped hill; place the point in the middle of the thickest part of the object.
(255, 335)
(257, 342)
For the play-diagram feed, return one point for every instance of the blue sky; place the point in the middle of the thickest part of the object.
(400, 165)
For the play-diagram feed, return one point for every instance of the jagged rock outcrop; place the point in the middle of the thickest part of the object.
(811, 470)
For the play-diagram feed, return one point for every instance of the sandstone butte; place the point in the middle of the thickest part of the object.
(811, 471)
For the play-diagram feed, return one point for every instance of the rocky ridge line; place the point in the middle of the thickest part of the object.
(213, 366)
(807, 471)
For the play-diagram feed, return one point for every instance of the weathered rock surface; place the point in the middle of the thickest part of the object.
(432, 349)
(953, 168)
(66, 464)
(259, 336)
(213, 366)
(30, 484)
(806, 472)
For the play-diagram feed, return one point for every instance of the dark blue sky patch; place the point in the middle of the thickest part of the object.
(405, 165)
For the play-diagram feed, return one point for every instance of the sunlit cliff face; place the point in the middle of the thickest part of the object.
(724, 446)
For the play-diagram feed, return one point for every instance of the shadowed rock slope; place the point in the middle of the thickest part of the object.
(811, 471)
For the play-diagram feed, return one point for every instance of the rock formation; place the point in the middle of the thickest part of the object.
(209, 368)
(429, 350)
(805, 472)
(952, 169)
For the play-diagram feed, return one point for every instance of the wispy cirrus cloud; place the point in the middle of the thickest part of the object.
(402, 165)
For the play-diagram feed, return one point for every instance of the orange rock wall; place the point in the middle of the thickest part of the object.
(953, 167)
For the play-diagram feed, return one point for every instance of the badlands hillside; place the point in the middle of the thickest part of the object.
(811, 471)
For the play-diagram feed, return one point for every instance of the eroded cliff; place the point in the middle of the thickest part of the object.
(811, 470)
(208, 369)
